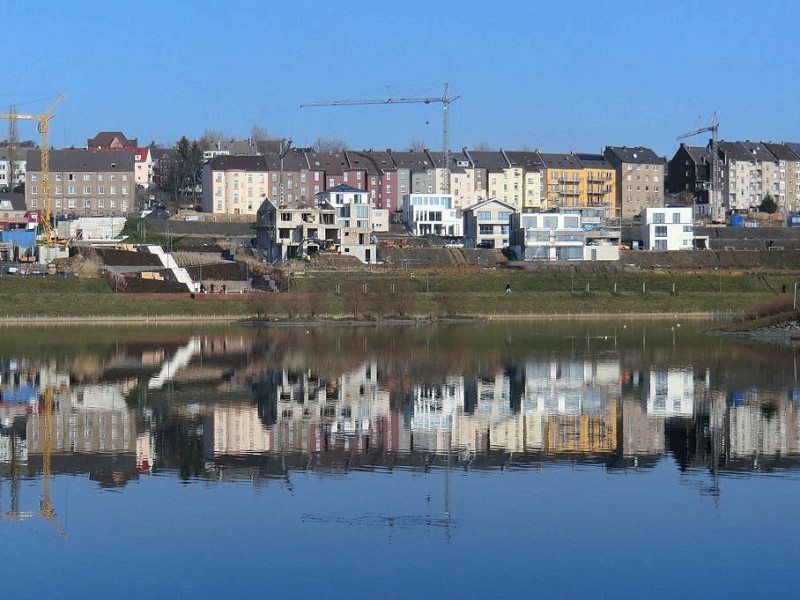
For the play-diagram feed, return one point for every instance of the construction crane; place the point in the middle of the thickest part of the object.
(46, 510)
(714, 200)
(43, 126)
(445, 100)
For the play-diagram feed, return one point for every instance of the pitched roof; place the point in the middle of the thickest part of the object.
(483, 203)
(758, 151)
(333, 163)
(782, 151)
(593, 161)
(346, 189)
(84, 161)
(734, 151)
(16, 200)
(293, 161)
(700, 155)
(437, 158)
(560, 161)
(414, 161)
(227, 162)
(370, 161)
(528, 160)
(638, 155)
(104, 139)
(491, 160)
(794, 147)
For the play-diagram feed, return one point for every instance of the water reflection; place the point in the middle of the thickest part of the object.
(258, 404)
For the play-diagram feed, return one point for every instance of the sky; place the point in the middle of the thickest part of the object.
(528, 74)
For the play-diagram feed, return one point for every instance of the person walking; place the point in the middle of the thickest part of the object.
(508, 288)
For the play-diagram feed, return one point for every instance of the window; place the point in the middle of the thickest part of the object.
(58, 176)
(99, 177)
(676, 217)
(33, 189)
(87, 190)
(71, 177)
(101, 190)
(112, 203)
(687, 229)
(58, 189)
(661, 245)
(71, 190)
(113, 189)
(113, 177)
(86, 177)
(101, 203)
(34, 177)
(87, 203)
(124, 177)
(484, 215)
(124, 190)
(661, 231)
(658, 217)
(71, 203)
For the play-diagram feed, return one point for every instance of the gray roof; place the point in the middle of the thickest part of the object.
(237, 163)
(701, 155)
(782, 151)
(528, 160)
(560, 161)
(333, 163)
(104, 139)
(236, 147)
(594, 161)
(437, 158)
(16, 199)
(374, 163)
(293, 161)
(491, 160)
(759, 151)
(84, 161)
(794, 147)
(416, 162)
(734, 151)
(638, 155)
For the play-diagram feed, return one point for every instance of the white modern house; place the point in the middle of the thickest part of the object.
(560, 236)
(668, 228)
(488, 224)
(426, 214)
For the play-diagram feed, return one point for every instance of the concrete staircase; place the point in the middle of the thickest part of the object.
(181, 274)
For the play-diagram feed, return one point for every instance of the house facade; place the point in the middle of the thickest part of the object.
(689, 171)
(524, 177)
(432, 214)
(354, 217)
(668, 228)
(284, 233)
(639, 179)
(234, 185)
(788, 195)
(99, 183)
(488, 224)
(12, 167)
(143, 165)
(559, 236)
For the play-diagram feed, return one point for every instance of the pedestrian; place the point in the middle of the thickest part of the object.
(783, 288)
(224, 288)
(508, 288)
(212, 288)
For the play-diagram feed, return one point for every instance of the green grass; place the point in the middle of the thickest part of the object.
(425, 294)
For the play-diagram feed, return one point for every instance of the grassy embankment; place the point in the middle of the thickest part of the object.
(423, 294)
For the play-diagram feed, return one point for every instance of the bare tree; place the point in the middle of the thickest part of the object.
(211, 137)
(260, 134)
(323, 144)
(417, 146)
(483, 147)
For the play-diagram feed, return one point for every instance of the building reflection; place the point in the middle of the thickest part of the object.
(231, 406)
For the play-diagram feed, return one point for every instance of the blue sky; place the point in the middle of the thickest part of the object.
(558, 77)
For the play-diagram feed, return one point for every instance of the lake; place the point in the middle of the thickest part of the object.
(568, 459)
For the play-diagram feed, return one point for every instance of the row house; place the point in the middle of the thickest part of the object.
(640, 176)
(468, 181)
(111, 140)
(231, 148)
(380, 176)
(89, 183)
(491, 165)
(234, 185)
(12, 168)
(788, 196)
(522, 187)
(291, 181)
(562, 236)
(143, 167)
(741, 178)
(689, 171)
(415, 173)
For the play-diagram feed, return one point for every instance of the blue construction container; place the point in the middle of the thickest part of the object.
(737, 221)
(794, 221)
(22, 238)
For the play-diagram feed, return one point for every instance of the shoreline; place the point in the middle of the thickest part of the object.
(32, 320)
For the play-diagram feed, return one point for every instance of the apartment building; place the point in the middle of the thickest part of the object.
(523, 181)
(379, 176)
(354, 217)
(788, 195)
(284, 233)
(742, 187)
(559, 237)
(234, 185)
(689, 172)
(766, 170)
(415, 173)
(12, 168)
(639, 179)
(99, 183)
(290, 180)
(563, 180)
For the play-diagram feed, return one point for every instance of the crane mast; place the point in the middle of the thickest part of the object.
(43, 126)
(445, 100)
(714, 192)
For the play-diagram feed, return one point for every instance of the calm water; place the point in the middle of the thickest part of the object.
(569, 459)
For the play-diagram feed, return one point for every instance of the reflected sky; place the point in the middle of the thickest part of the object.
(574, 459)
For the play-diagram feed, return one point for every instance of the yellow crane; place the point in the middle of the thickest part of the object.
(43, 126)
(714, 192)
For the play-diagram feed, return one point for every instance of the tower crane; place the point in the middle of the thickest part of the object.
(714, 200)
(445, 100)
(43, 126)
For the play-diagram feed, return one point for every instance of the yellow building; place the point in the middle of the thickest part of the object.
(579, 181)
